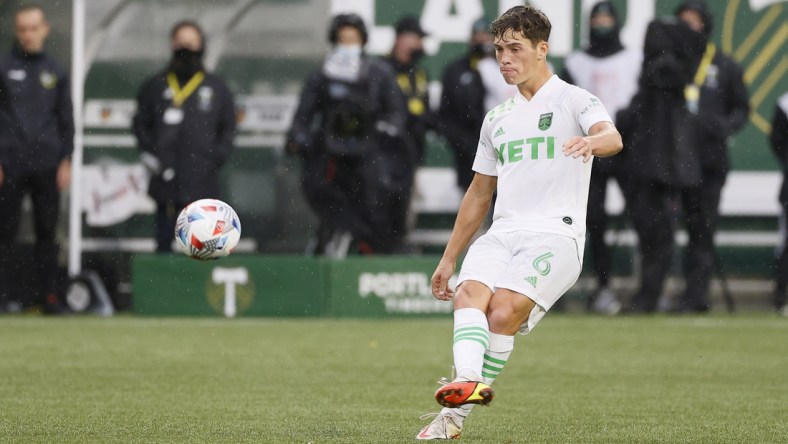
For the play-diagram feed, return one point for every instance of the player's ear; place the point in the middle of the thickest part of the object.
(541, 50)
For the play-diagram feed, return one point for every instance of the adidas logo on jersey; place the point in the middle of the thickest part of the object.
(499, 132)
(531, 280)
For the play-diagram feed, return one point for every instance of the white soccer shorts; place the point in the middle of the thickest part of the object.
(541, 266)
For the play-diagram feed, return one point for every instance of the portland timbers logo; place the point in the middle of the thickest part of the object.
(545, 120)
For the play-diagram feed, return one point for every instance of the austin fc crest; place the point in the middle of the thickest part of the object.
(545, 120)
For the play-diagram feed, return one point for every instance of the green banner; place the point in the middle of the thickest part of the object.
(236, 286)
(383, 287)
(246, 285)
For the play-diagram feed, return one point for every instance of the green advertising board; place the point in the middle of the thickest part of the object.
(236, 286)
(246, 285)
(373, 287)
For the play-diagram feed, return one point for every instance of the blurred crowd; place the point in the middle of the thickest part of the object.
(361, 128)
(361, 124)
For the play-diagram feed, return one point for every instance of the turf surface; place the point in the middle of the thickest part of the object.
(576, 378)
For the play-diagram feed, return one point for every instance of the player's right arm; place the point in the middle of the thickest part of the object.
(473, 210)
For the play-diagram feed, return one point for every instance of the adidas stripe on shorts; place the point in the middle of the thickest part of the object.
(542, 266)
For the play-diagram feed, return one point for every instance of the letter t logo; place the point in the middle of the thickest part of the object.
(230, 277)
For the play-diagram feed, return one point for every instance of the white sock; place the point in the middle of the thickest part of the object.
(495, 357)
(471, 339)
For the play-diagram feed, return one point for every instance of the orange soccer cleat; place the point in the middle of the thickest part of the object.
(457, 393)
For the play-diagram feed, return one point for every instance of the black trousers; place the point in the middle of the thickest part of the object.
(701, 210)
(654, 213)
(597, 220)
(781, 265)
(42, 187)
(166, 215)
(339, 191)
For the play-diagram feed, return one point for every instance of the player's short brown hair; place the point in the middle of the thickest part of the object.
(528, 21)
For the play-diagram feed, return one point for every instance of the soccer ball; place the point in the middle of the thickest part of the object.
(207, 229)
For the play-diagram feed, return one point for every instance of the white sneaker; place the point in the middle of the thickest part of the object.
(443, 426)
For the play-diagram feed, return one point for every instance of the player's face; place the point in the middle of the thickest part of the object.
(31, 30)
(187, 38)
(517, 57)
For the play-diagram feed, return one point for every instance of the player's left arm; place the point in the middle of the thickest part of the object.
(603, 140)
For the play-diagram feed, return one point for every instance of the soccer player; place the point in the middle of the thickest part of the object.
(535, 150)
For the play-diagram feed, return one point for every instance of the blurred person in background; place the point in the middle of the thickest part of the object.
(36, 141)
(472, 85)
(412, 80)
(610, 71)
(658, 161)
(779, 141)
(185, 125)
(348, 110)
(718, 107)
(403, 159)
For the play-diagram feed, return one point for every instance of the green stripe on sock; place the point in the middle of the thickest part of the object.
(468, 329)
(488, 375)
(472, 333)
(475, 336)
(470, 338)
(494, 360)
(492, 368)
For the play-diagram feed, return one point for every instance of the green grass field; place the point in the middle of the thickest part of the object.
(575, 379)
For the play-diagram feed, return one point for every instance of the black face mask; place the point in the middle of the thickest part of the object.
(604, 42)
(416, 55)
(186, 62)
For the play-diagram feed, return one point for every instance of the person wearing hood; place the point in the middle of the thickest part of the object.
(350, 117)
(718, 107)
(36, 141)
(610, 71)
(658, 165)
(185, 126)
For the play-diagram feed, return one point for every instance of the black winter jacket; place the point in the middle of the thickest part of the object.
(36, 113)
(723, 109)
(462, 104)
(339, 118)
(196, 148)
(656, 122)
(779, 142)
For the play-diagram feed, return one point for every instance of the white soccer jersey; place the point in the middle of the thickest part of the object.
(539, 188)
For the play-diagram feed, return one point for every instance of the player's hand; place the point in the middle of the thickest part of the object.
(63, 174)
(578, 146)
(440, 281)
